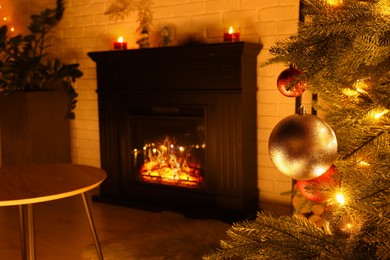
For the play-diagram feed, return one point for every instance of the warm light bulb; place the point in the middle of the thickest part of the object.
(340, 198)
(380, 114)
(383, 7)
(120, 39)
(181, 148)
(350, 92)
(363, 164)
(334, 2)
(135, 150)
(361, 86)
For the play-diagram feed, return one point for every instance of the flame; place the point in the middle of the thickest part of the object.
(170, 164)
(120, 39)
(231, 30)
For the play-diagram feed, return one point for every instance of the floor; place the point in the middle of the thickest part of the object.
(62, 230)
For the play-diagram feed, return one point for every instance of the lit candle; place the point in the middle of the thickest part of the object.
(120, 44)
(135, 157)
(231, 35)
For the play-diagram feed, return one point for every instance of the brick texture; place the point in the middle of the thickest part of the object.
(85, 28)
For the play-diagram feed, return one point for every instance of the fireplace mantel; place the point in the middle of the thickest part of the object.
(218, 79)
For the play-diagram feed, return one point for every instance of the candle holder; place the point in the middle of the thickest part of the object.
(231, 34)
(120, 44)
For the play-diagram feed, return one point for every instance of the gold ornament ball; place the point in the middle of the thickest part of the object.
(302, 147)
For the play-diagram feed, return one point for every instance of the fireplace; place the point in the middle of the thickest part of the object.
(173, 153)
(178, 128)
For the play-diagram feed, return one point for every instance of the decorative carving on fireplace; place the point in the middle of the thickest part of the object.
(178, 127)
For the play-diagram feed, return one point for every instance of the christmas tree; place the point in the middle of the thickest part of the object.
(342, 49)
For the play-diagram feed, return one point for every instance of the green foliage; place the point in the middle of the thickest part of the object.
(24, 62)
(120, 9)
(343, 52)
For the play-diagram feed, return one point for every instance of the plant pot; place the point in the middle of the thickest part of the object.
(33, 128)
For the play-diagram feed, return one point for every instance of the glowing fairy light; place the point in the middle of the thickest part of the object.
(380, 114)
(363, 164)
(340, 198)
(361, 86)
(5, 18)
(383, 7)
(350, 92)
(334, 2)
(12, 29)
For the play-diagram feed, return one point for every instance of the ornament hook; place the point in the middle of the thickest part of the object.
(302, 110)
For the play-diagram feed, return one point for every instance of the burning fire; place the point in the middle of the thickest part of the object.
(167, 163)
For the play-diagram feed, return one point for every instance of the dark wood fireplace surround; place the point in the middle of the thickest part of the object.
(218, 78)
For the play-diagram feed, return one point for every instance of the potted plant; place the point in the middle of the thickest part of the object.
(25, 64)
(33, 87)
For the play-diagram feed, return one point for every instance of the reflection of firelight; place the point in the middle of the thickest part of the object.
(170, 164)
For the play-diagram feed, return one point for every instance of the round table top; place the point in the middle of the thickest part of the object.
(44, 182)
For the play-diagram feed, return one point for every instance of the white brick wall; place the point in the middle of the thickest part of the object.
(85, 28)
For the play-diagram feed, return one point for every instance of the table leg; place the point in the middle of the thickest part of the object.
(31, 235)
(23, 245)
(27, 210)
(92, 226)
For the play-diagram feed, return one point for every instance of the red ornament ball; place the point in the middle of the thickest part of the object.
(315, 195)
(287, 78)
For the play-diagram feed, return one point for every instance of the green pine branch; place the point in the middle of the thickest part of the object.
(338, 48)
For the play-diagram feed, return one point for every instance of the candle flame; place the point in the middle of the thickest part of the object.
(231, 30)
(120, 39)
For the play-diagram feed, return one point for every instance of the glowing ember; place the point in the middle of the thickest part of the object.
(170, 164)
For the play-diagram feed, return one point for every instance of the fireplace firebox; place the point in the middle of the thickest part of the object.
(178, 128)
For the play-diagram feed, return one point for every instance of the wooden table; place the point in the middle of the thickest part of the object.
(29, 184)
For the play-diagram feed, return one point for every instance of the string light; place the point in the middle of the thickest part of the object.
(380, 114)
(363, 164)
(334, 2)
(383, 7)
(350, 92)
(340, 198)
(5, 19)
(361, 86)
